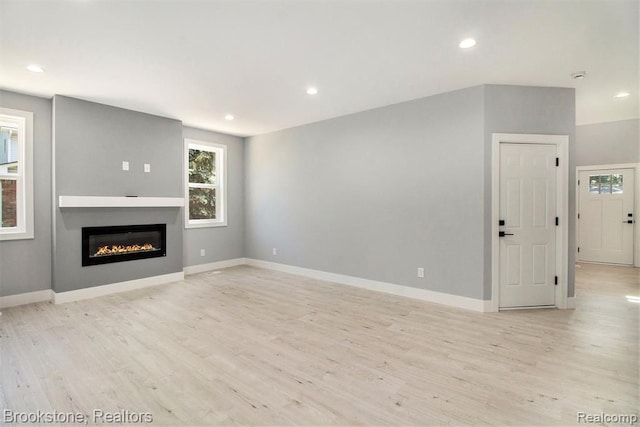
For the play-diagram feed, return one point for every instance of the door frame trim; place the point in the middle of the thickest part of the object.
(562, 203)
(636, 202)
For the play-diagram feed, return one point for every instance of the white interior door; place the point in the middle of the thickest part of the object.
(606, 217)
(528, 210)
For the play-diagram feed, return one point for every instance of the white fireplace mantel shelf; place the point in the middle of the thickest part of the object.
(119, 202)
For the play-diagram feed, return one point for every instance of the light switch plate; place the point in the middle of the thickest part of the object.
(147, 167)
(125, 166)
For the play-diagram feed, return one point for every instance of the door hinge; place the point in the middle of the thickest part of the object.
(578, 215)
(578, 248)
(578, 182)
(557, 221)
(555, 281)
(557, 161)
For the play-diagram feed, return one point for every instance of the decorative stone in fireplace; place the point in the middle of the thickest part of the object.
(102, 245)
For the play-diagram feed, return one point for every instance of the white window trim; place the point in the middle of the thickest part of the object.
(221, 180)
(24, 178)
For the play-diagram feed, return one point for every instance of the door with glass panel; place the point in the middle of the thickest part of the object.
(605, 216)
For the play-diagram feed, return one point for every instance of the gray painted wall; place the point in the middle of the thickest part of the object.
(376, 194)
(25, 265)
(220, 243)
(608, 143)
(536, 110)
(90, 142)
(379, 193)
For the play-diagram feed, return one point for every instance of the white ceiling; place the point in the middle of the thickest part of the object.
(199, 60)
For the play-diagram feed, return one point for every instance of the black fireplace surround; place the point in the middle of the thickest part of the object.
(103, 245)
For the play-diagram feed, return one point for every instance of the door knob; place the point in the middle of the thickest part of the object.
(630, 221)
(504, 233)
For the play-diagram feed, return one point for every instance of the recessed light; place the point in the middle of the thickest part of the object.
(35, 68)
(622, 95)
(229, 117)
(579, 75)
(312, 91)
(467, 43)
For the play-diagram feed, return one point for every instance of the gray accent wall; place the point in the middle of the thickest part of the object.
(220, 243)
(25, 265)
(534, 110)
(608, 143)
(90, 142)
(376, 194)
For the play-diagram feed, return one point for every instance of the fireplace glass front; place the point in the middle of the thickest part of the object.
(102, 245)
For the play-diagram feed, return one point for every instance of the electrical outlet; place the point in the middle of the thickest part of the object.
(275, 251)
(421, 272)
(201, 252)
(147, 167)
(125, 166)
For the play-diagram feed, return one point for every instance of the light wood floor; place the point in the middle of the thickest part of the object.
(252, 346)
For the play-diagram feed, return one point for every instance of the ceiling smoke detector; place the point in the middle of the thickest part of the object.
(579, 75)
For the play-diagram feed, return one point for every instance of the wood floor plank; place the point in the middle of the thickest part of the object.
(249, 346)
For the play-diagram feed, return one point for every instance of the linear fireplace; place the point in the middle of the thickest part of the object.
(102, 245)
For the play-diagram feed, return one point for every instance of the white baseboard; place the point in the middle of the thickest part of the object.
(571, 302)
(201, 268)
(389, 288)
(26, 298)
(98, 291)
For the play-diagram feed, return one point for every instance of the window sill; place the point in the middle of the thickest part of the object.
(17, 235)
(206, 225)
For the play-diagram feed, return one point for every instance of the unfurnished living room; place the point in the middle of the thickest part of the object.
(319, 212)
